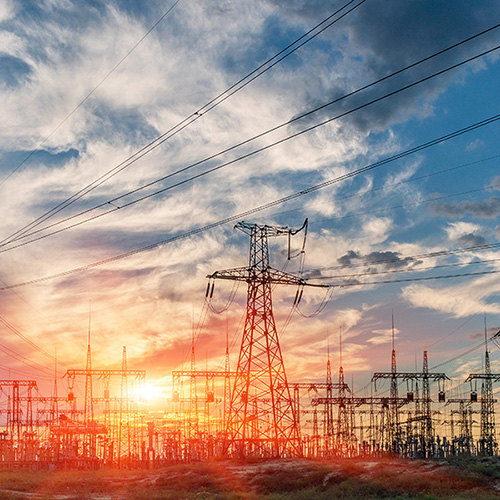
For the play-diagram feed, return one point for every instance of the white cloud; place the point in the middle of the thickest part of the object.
(457, 229)
(7, 10)
(197, 52)
(458, 301)
(376, 229)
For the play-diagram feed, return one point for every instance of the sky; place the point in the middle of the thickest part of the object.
(86, 86)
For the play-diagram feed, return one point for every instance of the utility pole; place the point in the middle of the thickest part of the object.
(261, 418)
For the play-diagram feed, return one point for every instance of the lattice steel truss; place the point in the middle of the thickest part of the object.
(262, 416)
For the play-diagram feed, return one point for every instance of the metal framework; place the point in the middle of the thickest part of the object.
(423, 405)
(262, 417)
(487, 442)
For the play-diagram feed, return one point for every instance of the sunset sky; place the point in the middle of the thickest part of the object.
(86, 85)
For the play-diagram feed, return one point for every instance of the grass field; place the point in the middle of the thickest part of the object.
(267, 480)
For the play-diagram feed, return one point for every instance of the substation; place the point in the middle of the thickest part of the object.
(251, 410)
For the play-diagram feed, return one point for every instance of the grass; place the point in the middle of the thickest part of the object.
(368, 479)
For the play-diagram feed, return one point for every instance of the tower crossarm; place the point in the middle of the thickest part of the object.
(314, 386)
(410, 376)
(43, 399)
(18, 383)
(271, 275)
(466, 401)
(359, 401)
(269, 231)
(494, 377)
(141, 374)
(202, 373)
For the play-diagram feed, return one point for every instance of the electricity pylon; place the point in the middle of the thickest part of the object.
(261, 419)
(487, 442)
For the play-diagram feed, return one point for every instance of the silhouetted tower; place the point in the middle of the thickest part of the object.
(88, 412)
(89, 406)
(261, 418)
(427, 427)
(487, 441)
(464, 441)
(342, 417)
(487, 404)
(393, 424)
(193, 403)
(54, 407)
(227, 380)
(124, 414)
(329, 431)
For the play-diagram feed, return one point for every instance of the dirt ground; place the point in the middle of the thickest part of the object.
(267, 480)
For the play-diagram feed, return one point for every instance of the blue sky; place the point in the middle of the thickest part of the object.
(68, 88)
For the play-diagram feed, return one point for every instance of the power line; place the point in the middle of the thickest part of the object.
(422, 278)
(243, 82)
(438, 253)
(412, 204)
(27, 340)
(231, 162)
(80, 104)
(19, 357)
(279, 201)
(407, 270)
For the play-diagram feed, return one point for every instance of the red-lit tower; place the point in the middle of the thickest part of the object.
(261, 419)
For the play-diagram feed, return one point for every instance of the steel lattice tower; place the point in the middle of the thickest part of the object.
(394, 429)
(329, 431)
(487, 409)
(427, 427)
(487, 442)
(261, 419)
(343, 432)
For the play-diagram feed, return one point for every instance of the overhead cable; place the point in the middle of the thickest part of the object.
(243, 82)
(82, 102)
(231, 162)
(279, 201)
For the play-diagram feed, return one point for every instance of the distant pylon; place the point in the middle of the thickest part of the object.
(394, 431)
(342, 440)
(89, 406)
(261, 418)
(487, 442)
(488, 438)
(329, 394)
(124, 414)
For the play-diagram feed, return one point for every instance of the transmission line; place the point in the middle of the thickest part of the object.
(279, 201)
(231, 162)
(35, 346)
(82, 102)
(243, 82)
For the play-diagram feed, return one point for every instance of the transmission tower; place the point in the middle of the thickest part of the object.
(329, 427)
(487, 442)
(423, 413)
(343, 431)
(261, 418)
(394, 428)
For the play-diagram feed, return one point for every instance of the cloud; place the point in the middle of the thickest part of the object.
(495, 183)
(465, 233)
(472, 146)
(471, 240)
(57, 51)
(7, 10)
(488, 209)
(375, 42)
(466, 300)
(386, 259)
(382, 336)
